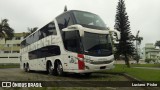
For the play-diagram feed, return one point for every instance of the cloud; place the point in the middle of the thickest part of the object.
(143, 14)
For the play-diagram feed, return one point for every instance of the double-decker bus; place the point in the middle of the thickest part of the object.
(75, 42)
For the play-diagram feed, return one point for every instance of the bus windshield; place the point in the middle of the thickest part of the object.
(89, 20)
(97, 44)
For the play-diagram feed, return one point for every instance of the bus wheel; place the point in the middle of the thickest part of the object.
(27, 68)
(24, 67)
(59, 69)
(50, 70)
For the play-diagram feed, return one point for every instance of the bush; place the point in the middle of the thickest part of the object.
(149, 60)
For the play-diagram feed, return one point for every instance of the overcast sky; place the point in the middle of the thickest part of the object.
(144, 15)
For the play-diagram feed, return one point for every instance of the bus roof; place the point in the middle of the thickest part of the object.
(70, 11)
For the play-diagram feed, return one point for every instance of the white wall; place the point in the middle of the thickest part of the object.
(9, 60)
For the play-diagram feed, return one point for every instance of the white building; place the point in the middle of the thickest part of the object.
(150, 52)
(10, 49)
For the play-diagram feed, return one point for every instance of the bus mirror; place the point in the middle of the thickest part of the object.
(66, 29)
(71, 28)
(115, 34)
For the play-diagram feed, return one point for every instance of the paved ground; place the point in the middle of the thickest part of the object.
(19, 75)
(16, 74)
(148, 68)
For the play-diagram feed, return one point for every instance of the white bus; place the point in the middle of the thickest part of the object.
(74, 42)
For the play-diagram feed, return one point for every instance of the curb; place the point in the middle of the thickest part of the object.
(135, 79)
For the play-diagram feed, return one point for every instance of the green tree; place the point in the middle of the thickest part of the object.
(5, 30)
(122, 24)
(157, 43)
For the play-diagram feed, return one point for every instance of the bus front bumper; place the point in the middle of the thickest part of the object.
(93, 68)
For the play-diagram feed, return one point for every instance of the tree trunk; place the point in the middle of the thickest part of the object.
(137, 61)
(127, 61)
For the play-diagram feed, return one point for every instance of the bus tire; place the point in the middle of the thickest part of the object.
(24, 67)
(59, 69)
(27, 68)
(50, 70)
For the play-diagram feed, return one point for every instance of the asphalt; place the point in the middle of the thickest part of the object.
(148, 68)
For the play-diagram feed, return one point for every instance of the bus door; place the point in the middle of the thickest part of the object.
(73, 47)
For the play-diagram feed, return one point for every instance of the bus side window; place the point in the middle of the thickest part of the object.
(47, 30)
(50, 51)
(47, 51)
(64, 20)
(71, 45)
(72, 41)
(52, 28)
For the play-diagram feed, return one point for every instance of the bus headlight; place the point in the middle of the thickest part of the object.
(88, 60)
(112, 59)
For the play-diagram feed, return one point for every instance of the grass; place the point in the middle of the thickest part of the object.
(141, 74)
(9, 65)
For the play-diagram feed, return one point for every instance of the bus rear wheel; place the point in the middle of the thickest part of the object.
(59, 69)
(50, 70)
(27, 69)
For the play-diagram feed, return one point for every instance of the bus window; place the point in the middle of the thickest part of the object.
(89, 20)
(64, 20)
(52, 29)
(72, 41)
(47, 30)
(47, 51)
(97, 44)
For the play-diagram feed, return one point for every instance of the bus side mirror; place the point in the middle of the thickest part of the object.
(72, 28)
(65, 29)
(115, 34)
(69, 29)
